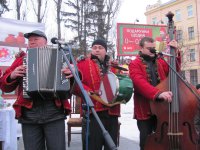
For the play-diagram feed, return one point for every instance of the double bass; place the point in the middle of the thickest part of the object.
(175, 128)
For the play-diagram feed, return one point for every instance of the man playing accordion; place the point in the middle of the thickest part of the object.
(43, 120)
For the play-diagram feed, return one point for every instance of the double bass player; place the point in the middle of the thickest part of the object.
(147, 71)
(173, 122)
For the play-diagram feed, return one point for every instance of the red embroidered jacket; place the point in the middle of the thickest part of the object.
(91, 79)
(144, 92)
(21, 102)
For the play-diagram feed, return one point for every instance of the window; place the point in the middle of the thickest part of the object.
(192, 55)
(190, 11)
(154, 20)
(193, 77)
(191, 33)
(179, 35)
(166, 20)
(182, 73)
(178, 15)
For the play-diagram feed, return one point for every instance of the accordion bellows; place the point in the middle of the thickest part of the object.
(43, 74)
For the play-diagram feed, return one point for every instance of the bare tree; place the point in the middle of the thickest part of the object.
(103, 15)
(58, 6)
(112, 9)
(3, 7)
(18, 8)
(91, 19)
(37, 7)
(77, 20)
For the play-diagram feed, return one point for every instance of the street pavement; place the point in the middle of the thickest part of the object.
(129, 134)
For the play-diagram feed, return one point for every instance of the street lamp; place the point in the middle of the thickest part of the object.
(160, 22)
(136, 20)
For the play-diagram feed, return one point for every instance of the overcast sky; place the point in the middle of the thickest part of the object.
(130, 10)
(134, 9)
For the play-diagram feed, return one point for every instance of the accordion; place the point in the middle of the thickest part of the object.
(43, 77)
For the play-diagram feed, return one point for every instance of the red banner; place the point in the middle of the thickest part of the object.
(133, 36)
(129, 36)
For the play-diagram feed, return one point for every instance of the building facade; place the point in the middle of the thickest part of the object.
(187, 22)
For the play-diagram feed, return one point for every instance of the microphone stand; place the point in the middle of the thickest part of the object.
(87, 99)
(180, 77)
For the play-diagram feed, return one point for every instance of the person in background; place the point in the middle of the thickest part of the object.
(198, 87)
(147, 71)
(43, 120)
(91, 71)
(125, 65)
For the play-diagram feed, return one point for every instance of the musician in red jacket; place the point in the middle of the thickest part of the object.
(146, 71)
(91, 71)
(42, 120)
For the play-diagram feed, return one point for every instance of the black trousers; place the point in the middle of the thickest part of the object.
(96, 140)
(146, 127)
(47, 136)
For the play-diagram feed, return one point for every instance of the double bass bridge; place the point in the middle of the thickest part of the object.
(175, 134)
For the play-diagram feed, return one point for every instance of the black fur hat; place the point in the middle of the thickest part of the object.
(101, 42)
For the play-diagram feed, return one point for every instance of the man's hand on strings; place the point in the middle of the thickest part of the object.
(166, 96)
(173, 43)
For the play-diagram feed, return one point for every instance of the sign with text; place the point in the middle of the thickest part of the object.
(129, 36)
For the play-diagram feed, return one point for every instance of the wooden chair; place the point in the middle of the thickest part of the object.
(74, 118)
(76, 121)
